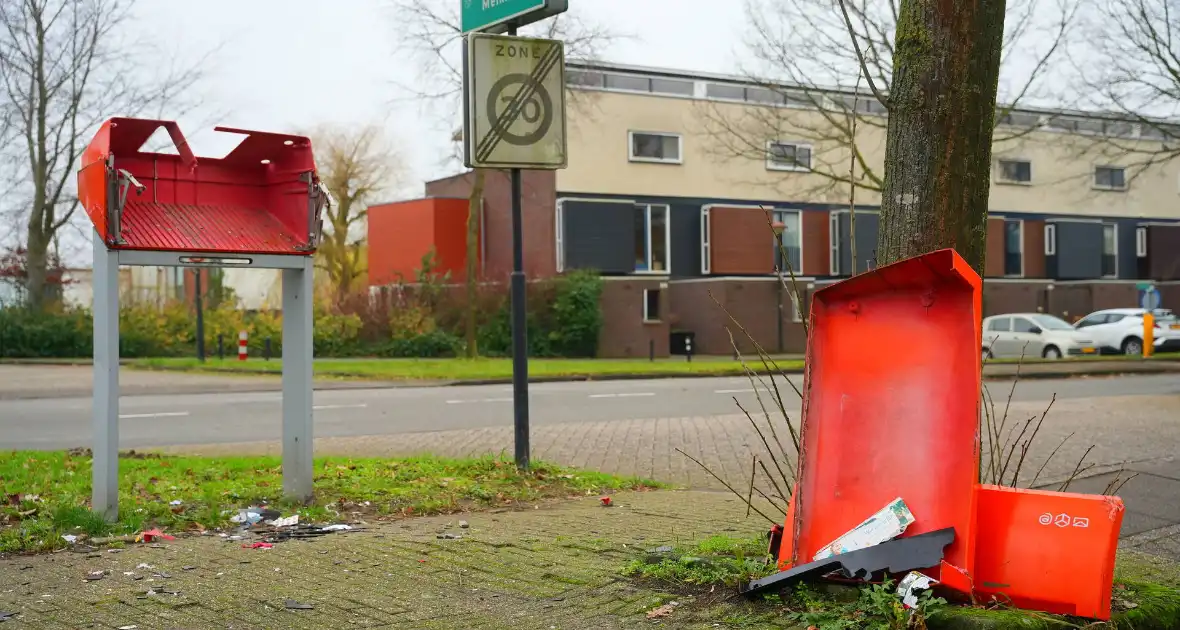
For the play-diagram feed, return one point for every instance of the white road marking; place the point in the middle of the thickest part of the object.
(624, 395)
(321, 407)
(478, 400)
(733, 391)
(162, 414)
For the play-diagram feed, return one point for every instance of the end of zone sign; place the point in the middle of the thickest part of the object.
(514, 102)
(496, 16)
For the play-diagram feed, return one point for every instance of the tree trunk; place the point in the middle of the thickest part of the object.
(474, 204)
(941, 110)
(36, 266)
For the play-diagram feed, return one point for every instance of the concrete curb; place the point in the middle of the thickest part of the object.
(256, 382)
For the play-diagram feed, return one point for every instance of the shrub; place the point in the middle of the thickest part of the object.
(28, 334)
(433, 344)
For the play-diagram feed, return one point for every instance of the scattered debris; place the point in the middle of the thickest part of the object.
(464, 525)
(175, 503)
(888, 523)
(663, 611)
(188, 568)
(446, 536)
(95, 575)
(285, 522)
(70, 538)
(291, 604)
(151, 535)
(909, 586)
(903, 554)
(340, 527)
(258, 545)
(5, 616)
(605, 501)
(661, 549)
(144, 565)
(128, 627)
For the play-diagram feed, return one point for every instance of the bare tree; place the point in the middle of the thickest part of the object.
(356, 165)
(432, 34)
(64, 66)
(806, 56)
(1131, 70)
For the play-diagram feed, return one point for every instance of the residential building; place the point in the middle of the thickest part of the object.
(672, 176)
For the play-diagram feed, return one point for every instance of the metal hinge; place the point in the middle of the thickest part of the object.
(318, 199)
(119, 181)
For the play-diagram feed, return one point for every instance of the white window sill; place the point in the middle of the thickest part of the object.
(1109, 188)
(1009, 182)
(643, 160)
(787, 169)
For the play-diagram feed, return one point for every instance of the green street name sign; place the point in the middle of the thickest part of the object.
(496, 16)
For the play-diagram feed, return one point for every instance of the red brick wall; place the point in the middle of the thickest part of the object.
(538, 203)
(625, 334)
(734, 238)
(816, 233)
(751, 301)
(994, 265)
(1034, 249)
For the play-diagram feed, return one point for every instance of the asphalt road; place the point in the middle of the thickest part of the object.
(247, 417)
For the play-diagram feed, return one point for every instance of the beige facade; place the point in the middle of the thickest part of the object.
(713, 132)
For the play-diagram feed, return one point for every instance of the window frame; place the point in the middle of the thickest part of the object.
(1000, 179)
(706, 244)
(833, 244)
(1050, 239)
(647, 318)
(774, 214)
(647, 208)
(1020, 231)
(997, 319)
(1115, 254)
(559, 234)
(1141, 241)
(771, 165)
(631, 157)
(1094, 179)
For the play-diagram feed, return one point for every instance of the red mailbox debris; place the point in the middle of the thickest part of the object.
(880, 426)
(1049, 551)
(264, 197)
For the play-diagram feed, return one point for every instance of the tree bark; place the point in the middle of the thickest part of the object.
(474, 204)
(941, 113)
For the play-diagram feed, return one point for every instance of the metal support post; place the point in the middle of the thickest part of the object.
(104, 498)
(520, 358)
(297, 381)
(198, 302)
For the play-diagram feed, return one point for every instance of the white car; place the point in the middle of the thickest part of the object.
(1120, 330)
(1031, 335)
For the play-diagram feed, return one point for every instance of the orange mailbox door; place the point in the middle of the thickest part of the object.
(1048, 551)
(881, 425)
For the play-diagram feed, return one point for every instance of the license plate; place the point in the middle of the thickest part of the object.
(1087, 350)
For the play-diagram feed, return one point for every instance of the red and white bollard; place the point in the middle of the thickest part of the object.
(242, 346)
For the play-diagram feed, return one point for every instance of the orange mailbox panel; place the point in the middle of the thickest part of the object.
(1049, 551)
(882, 425)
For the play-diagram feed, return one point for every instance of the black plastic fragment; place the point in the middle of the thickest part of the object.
(903, 554)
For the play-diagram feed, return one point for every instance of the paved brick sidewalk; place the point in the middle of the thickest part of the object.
(556, 567)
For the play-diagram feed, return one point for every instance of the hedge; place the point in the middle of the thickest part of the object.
(564, 320)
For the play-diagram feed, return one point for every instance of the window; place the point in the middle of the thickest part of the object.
(1015, 171)
(1141, 242)
(1110, 178)
(672, 86)
(1110, 250)
(651, 305)
(722, 90)
(655, 147)
(706, 258)
(1092, 320)
(1013, 247)
(788, 156)
(1022, 325)
(1049, 322)
(1000, 324)
(651, 238)
(1114, 318)
(559, 230)
(792, 241)
(628, 82)
(1050, 240)
(764, 95)
(584, 78)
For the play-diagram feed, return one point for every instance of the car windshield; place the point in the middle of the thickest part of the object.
(1048, 322)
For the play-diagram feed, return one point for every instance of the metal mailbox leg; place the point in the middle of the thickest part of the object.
(105, 466)
(297, 381)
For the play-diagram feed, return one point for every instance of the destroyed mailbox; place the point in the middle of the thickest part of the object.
(259, 206)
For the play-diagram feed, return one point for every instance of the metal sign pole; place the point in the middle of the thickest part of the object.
(104, 497)
(520, 344)
(198, 302)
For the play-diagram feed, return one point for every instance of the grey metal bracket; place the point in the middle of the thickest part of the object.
(318, 200)
(119, 182)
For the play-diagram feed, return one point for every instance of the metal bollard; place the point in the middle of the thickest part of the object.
(688, 348)
(651, 349)
(242, 337)
(266, 350)
(220, 347)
